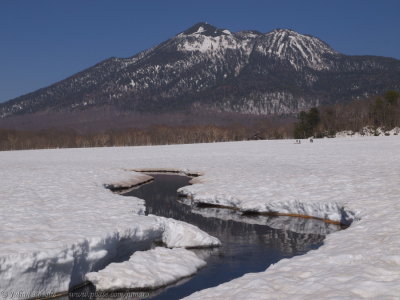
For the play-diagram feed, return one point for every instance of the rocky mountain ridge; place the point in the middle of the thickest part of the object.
(207, 69)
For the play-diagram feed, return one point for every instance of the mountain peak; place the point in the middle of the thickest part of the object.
(288, 36)
(209, 69)
(203, 28)
(283, 30)
(296, 48)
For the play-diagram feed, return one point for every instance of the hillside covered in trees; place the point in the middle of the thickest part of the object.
(154, 135)
(378, 114)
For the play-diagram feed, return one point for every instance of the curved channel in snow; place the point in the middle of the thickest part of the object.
(53, 201)
(249, 243)
(52, 237)
(332, 212)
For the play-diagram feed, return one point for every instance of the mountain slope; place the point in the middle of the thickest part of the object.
(207, 69)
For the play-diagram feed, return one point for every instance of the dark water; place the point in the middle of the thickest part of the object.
(245, 247)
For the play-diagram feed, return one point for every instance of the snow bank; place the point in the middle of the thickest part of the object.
(57, 217)
(148, 270)
(368, 131)
(56, 267)
(59, 222)
(294, 224)
(361, 262)
(63, 266)
(128, 182)
(333, 211)
(181, 234)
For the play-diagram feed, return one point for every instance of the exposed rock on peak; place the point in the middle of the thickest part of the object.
(203, 28)
(297, 49)
(209, 69)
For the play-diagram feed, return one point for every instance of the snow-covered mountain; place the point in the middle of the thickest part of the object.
(205, 68)
(297, 49)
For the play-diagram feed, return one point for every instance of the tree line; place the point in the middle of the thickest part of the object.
(155, 135)
(326, 121)
(378, 112)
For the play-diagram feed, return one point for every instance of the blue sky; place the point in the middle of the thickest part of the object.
(44, 41)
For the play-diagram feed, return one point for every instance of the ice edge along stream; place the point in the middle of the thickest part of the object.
(179, 172)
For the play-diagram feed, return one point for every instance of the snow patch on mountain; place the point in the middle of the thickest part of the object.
(209, 43)
(257, 103)
(300, 50)
(195, 65)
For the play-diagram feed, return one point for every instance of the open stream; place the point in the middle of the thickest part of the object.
(249, 243)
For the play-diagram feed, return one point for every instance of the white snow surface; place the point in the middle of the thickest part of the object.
(148, 269)
(294, 224)
(58, 221)
(205, 43)
(57, 218)
(181, 234)
(299, 49)
(368, 131)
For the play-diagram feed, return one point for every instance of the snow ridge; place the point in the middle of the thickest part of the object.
(180, 234)
(147, 270)
(211, 69)
(333, 211)
(300, 50)
(50, 241)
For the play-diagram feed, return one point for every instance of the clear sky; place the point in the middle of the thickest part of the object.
(44, 41)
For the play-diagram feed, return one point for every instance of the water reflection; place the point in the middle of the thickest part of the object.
(295, 224)
(249, 243)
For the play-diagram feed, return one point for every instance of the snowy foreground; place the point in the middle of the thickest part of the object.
(58, 222)
(147, 269)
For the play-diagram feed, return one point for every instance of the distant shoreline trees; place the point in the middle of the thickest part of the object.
(380, 112)
(155, 135)
(307, 125)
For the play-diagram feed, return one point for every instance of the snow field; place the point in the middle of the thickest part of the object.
(56, 214)
(59, 222)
